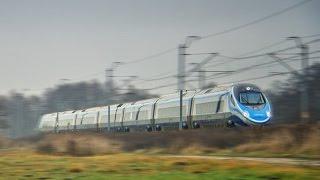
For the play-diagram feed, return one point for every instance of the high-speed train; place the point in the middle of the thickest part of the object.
(235, 105)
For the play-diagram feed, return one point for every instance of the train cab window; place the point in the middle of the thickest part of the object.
(251, 98)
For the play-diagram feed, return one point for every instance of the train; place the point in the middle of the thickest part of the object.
(222, 106)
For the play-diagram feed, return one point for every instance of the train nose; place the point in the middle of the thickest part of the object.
(257, 117)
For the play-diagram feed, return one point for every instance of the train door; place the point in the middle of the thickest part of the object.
(75, 122)
(97, 120)
(56, 125)
(189, 116)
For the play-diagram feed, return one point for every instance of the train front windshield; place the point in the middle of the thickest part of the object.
(251, 98)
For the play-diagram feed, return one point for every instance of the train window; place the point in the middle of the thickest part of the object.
(134, 115)
(128, 116)
(143, 114)
(104, 119)
(251, 98)
(88, 120)
(206, 108)
(112, 117)
(221, 109)
(119, 115)
(221, 105)
(171, 112)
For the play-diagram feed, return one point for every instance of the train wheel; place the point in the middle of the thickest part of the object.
(195, 125)
(184, 125)
(230, 124)
(158, 127)
(148, 129)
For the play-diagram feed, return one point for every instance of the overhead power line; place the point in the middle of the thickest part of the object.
(234, 59)
(216, 34)
(256, 78)
(257, 20)
(228, 30)
(224, 31)
(311, 36)
(274, 45)
(230, 82)
(150, 56)
(247, 68)
(264, 48)
(161, 77)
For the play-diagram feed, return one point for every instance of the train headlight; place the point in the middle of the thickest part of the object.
(245, 114)
(268, 113)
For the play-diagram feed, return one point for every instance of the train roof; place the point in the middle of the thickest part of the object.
(144, 102)
(164, 98)
(186, 95)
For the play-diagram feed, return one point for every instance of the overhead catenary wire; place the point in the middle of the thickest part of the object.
(150, 56)
(249, 79)
(236, 71)
(274, 45)
(256, 21)
(214, 34)
(259, 65)
(234, 59)
(311, 36)
(238, 59)
(225, 31)
(254, 78)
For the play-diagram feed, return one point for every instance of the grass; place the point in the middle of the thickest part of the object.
(273, 141)
(27, 164)
(144, 155)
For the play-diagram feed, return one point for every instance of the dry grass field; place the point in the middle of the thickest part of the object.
(153, 155)
(273, 141)
(24, 164)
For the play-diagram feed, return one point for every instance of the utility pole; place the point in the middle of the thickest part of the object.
(181, 105)
(127, 82)
(181, 69)
(201, 76)
(109, 73)
(198, 68)
(181, 66)
(109, 79)
(61, 100)
(304, 98)
(182, 60)
(109, 118)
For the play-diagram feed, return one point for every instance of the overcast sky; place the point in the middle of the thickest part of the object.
(42, 41)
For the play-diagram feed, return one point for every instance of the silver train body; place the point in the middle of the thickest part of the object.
(236, 105)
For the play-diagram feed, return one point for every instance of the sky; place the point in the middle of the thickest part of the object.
(42, 41)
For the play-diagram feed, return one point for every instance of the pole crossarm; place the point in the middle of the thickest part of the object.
(284, 64)
(202, 63)
(215, 71)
